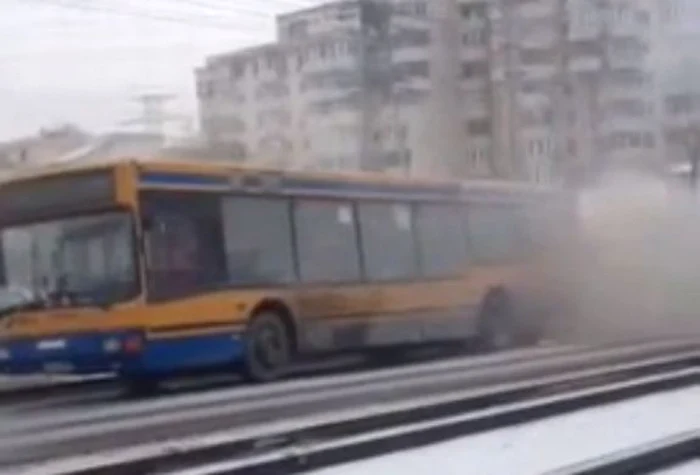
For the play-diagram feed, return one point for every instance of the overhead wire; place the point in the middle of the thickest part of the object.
(196, 20)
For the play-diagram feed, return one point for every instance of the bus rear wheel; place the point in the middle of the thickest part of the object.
(267, 348)
(497, 324)
(139, 387)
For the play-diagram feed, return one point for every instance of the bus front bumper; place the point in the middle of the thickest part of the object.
(126, 353)
(80, 354)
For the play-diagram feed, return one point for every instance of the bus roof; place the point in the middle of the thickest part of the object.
(199, 167)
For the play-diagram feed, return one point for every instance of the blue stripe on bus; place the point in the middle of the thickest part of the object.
(303, 186)
(170, 179)
(175, 355)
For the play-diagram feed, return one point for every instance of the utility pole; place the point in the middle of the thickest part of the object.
(561, 103)
(512, 73)
(505, 82)
(495, 157)
(376, 78)
(603, 10)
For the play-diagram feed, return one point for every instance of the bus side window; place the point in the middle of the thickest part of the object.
(441, 239)
(495, 232)
(327, 244)
(388, 241)
(184, 246)
(258, 240)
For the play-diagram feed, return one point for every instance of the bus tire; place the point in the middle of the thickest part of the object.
(267, 348)
(141, 387)
(497, 325)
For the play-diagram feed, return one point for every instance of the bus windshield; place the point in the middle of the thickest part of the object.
(75, 261)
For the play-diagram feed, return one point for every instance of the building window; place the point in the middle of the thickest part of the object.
(536, 86)
(274, 118)
(410, 37)
(626, 108)
(326, 237)
(475, 69)
(205, 89)
(298, 29)
(416, 9)
(474, 37)
(479, 127)
(625, 77)
(411, 69)
(389, 250)
(537, 56)
(258, 240)
(272, 90)
(628, 140)
(476, 11)
(679, 104)
(441, 239)
(237, 70)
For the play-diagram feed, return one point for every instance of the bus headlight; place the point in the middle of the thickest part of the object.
(111, 345)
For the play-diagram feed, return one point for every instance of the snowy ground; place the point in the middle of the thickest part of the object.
(14, 383)
(546, 446)
(691, 468)
(9, 383)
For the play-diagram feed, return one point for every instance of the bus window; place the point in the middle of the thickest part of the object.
(326, 241)
(184, 245)
(441, 238)
(258, 240)
(96, 257)
(388, 245)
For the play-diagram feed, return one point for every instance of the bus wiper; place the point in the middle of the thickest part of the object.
(30, 305)
(67, 298)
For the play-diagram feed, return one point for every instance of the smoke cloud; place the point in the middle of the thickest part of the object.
(632, 269)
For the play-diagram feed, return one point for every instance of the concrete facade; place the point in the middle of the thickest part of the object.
(535, 90)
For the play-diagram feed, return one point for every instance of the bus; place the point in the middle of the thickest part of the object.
(148, 269)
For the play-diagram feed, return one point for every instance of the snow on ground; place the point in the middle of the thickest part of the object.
(690, 468)
(15, 383)
(545, 446)
(9, 383)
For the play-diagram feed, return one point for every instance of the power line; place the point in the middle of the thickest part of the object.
(200, 20)
(224, 8)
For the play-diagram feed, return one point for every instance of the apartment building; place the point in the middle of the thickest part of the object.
(567, 82)
(530, 89)
(44, 147)
(676, 39)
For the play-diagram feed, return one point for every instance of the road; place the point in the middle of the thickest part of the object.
(35, 431)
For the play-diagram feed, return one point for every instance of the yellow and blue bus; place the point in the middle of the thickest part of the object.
(151, 268)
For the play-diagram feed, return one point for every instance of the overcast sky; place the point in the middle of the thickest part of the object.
(82, 61)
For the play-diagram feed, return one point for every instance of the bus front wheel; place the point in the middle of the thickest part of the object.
(267, 348)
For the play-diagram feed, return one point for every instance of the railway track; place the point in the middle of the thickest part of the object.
(168, 432)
